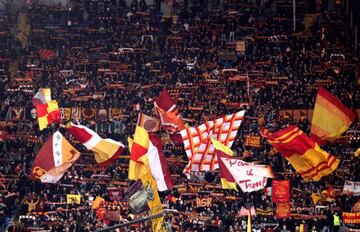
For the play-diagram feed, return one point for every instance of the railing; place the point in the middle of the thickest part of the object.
(112, 228)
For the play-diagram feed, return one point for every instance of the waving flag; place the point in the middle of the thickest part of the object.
(151, 146)
(53, 159)
(105, 150)
(48, 111)
(169, 116)
(331, 118)
(305, 155)
(140, 169)
(235, 171)
(197, 143)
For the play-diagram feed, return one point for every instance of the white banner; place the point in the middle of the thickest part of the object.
(351, 188)
(249, 177)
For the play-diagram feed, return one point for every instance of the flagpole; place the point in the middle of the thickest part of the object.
(294, 14)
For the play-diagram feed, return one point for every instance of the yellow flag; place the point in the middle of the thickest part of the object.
(139, 169)
(96, 203)
(73, 199)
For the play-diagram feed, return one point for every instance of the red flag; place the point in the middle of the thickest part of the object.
(48, 111)
(169, 114)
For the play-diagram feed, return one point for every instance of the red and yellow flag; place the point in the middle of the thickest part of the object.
(139, 168)
(48, 111)
(331, 118)
(305, 155)
(106, 151)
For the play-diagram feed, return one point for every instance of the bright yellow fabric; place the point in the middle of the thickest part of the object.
(73, 198)
(221, 147)
(310, 159)
(96, 203)
(52, 106)
(141, 137)
(104, 150)
(336, 220)
(155, 205)
(328, 122)
(140, 170)
(228, 185)
(43, 122)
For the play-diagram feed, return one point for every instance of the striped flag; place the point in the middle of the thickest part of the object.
(331, 118)
(105, 150)
(197, 143)
(305, 155)
(53, 159)
(152, 148)
(48, 111)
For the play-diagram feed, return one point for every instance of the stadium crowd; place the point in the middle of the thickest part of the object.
(109, 55)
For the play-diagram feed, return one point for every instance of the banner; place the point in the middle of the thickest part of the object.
(102, 115)
(252, 141)
(283, 210)
(115, 194)
(351, 218)
(351, 188)
(88, 113)
(115, 114)
(150, 124)
(264, 212)
(76, 113)
(15, 113)
(307, 216)
(280, 190)
(73, 199)
(203, 202)
(248, 176)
